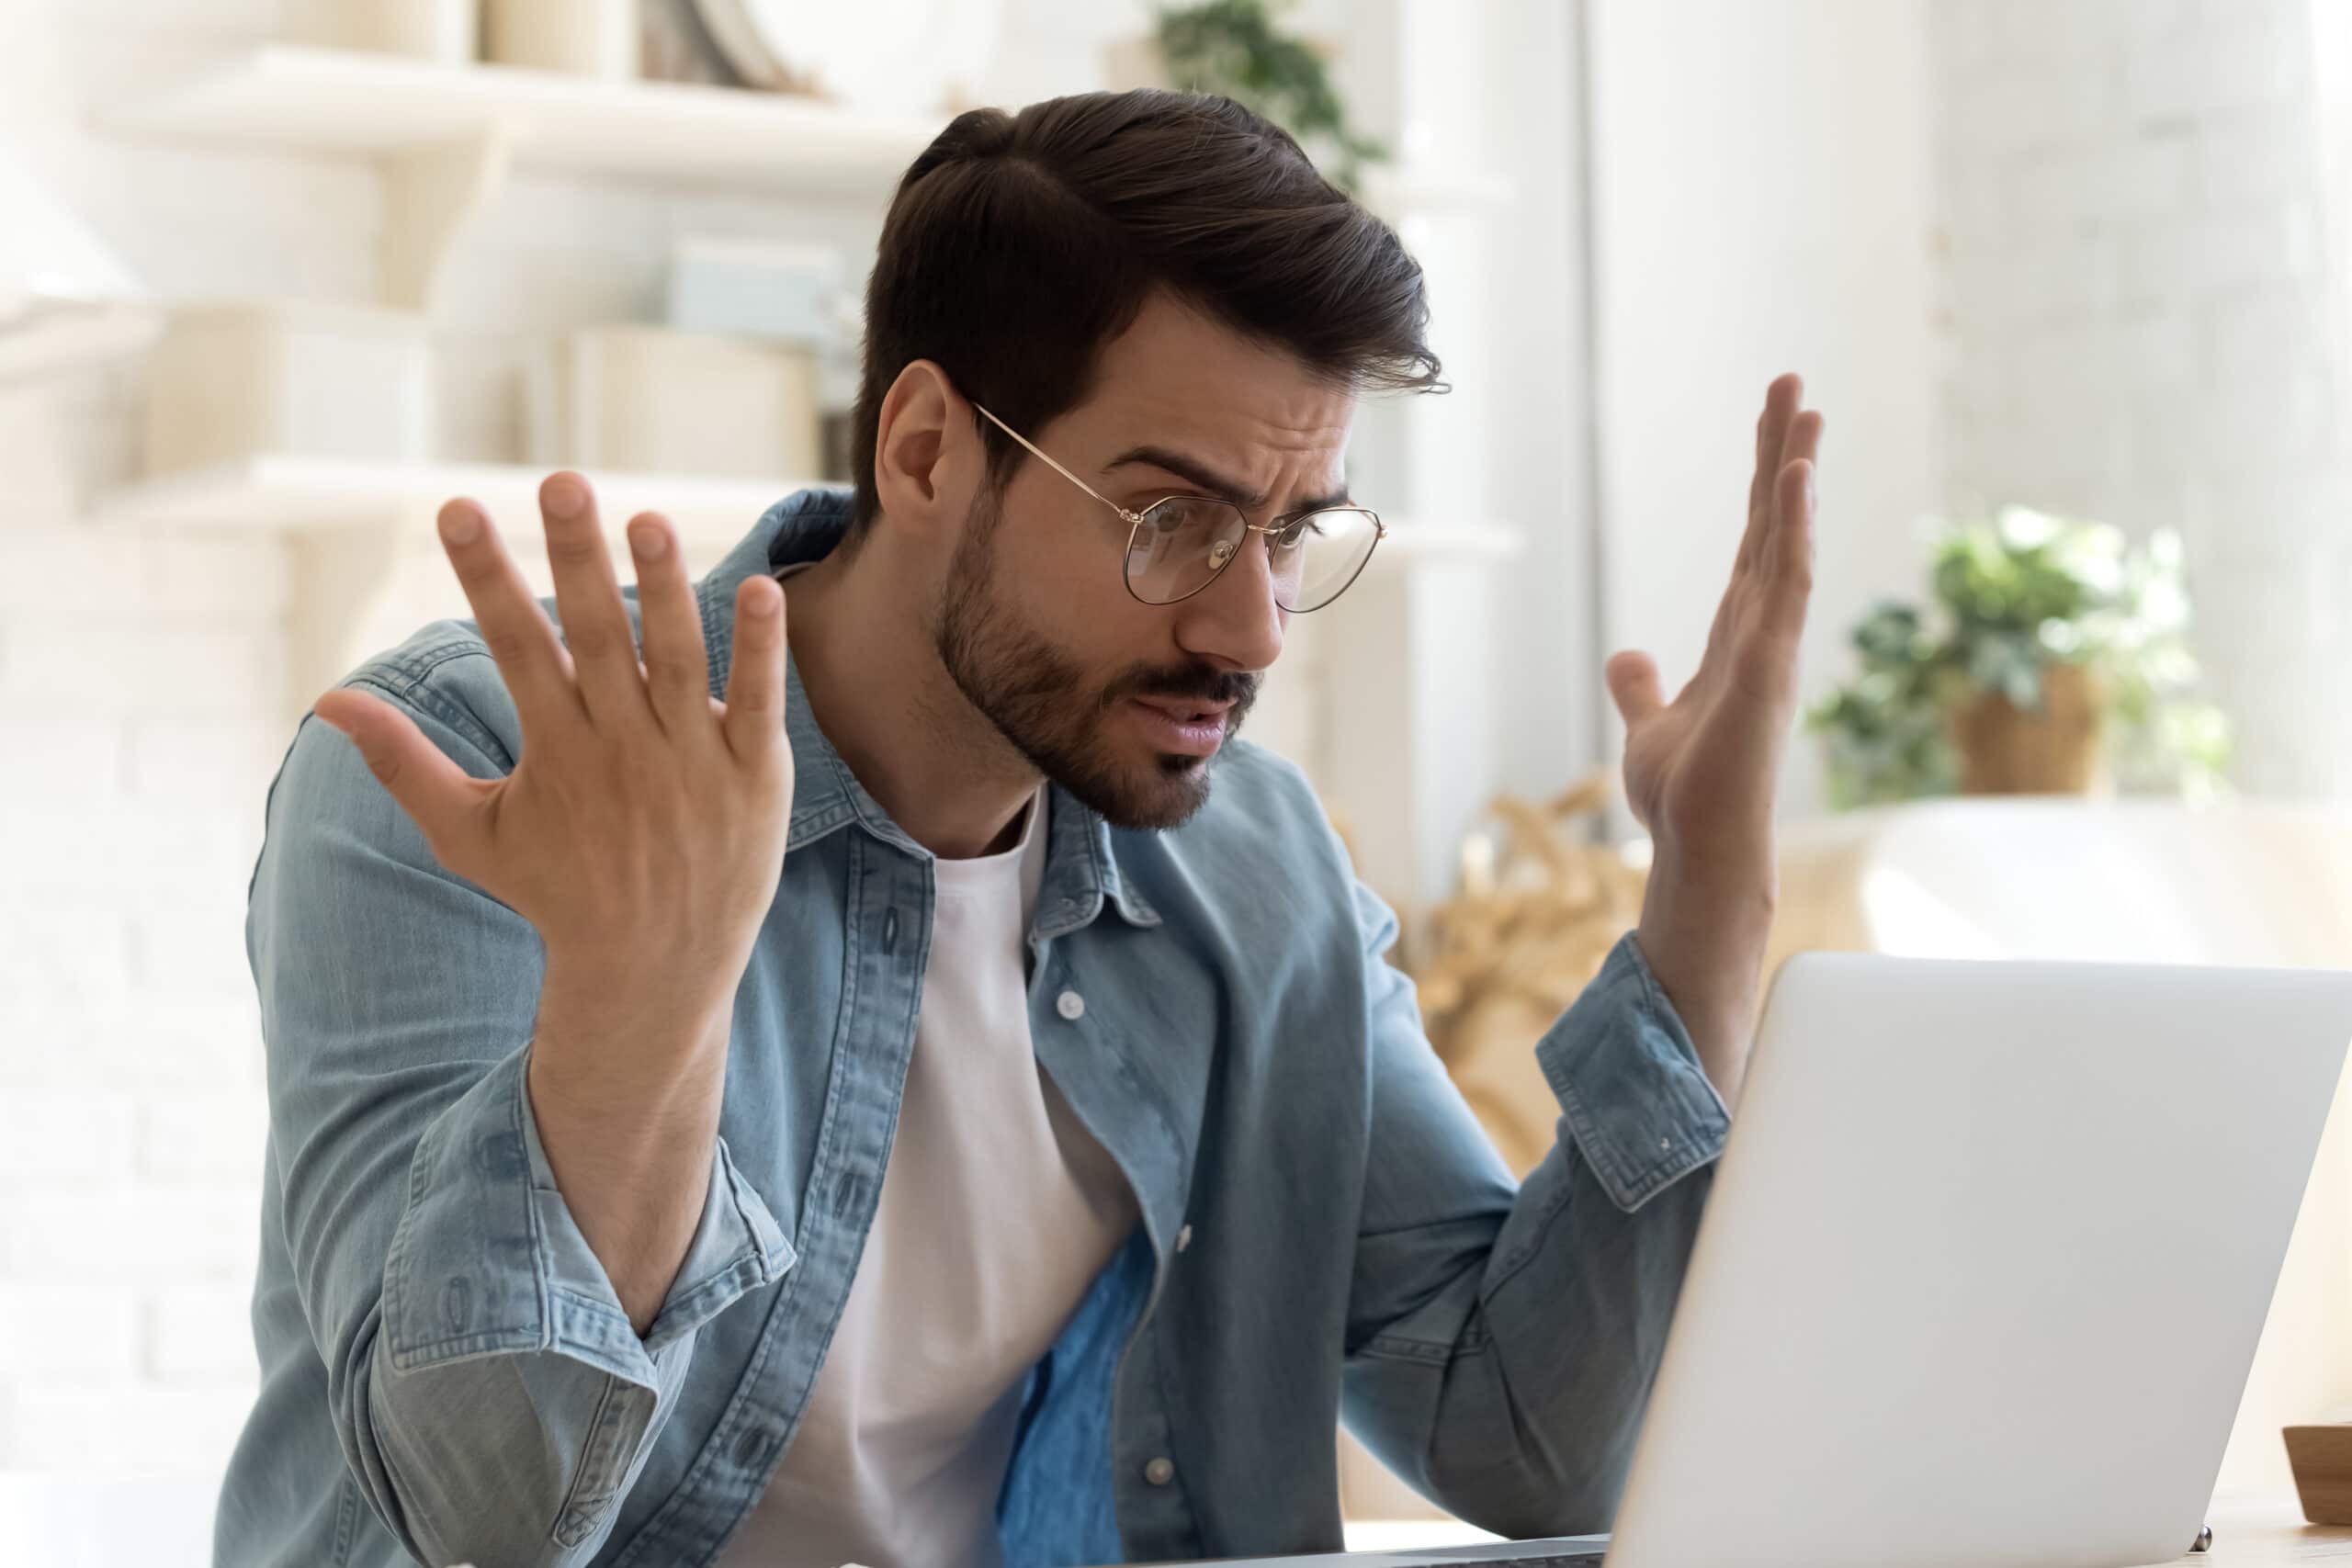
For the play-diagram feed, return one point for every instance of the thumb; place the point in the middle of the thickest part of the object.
(1633, 686)
(438, 794)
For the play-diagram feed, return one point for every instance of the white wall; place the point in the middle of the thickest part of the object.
(137, 699)
(140, 718)
(1495, 88)
(2144, 299)
(1537, 424)
(1760, 205)
(1470, 676)
(140, 679)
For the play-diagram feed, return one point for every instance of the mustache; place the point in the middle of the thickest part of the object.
(1197, 683)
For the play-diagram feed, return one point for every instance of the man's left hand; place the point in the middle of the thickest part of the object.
(1702, 771)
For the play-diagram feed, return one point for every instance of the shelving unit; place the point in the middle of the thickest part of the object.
(445, 139)
(361, 536)
(299, 495)
(280, 492)
(447, 136)
(361, 540)
(349, 101)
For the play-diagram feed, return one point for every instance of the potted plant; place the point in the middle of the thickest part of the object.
(1235, 49)
(2059, 663)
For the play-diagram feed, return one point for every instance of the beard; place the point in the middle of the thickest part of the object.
(1048, 708)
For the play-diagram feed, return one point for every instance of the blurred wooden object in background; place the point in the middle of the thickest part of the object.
(1528, 930)
(2321, 1459)
(2058, 748)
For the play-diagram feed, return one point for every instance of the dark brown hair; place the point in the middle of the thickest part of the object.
(1019, 244)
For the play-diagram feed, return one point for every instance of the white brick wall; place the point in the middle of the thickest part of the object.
(68, 1134)
(135, 680)
(68, 1335)
(2139, 319)
(142, 718)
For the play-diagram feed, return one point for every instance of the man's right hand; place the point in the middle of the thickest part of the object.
(642, 830)
(642, 833)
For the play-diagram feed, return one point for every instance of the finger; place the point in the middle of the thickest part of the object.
(1788, 575)
(1633, 686)
(1802, 444)
(1780, 402)
(677, 665)
(588, 596)
(1802, 449)
(439, 797)
(756, 682)
(530, 656)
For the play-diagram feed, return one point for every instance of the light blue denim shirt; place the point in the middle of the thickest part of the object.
(448, 1374)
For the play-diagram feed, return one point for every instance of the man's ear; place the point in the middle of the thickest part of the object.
(928, 459)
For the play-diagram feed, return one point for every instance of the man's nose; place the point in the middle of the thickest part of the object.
(1235, 621)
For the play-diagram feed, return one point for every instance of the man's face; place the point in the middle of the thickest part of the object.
(1124, 703)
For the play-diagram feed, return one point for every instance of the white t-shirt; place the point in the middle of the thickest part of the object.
(997, 1211)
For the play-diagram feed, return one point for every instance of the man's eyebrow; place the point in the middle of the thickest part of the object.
(1195, 472)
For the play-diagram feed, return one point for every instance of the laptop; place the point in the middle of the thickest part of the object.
(1982, 1270)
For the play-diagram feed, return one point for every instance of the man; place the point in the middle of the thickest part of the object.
(913, 1087)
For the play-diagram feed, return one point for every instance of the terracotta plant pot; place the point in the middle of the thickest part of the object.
(2058, 749)
(2321, 1457)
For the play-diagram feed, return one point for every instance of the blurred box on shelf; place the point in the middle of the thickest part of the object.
(580, 37)
(674, 45)
(650, 399)
(447, 32)
(234, 378)
(780, 292)
(790, 293)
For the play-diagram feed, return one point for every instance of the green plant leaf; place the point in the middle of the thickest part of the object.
(1233, 48)
(2013, 595)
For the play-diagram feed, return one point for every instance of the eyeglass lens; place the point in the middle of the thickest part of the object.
(1184, 542)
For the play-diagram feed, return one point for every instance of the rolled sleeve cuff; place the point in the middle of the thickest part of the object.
(1639, 1106)
(487, 1258)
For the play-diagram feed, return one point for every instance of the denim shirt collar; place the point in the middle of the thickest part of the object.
(1083, 870)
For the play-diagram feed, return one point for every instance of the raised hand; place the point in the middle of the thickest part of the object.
(1703, 771)
(642, 830)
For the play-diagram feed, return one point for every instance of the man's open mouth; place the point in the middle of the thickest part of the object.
(1187, 712)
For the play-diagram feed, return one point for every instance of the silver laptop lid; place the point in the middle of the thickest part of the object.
(1984, 1265)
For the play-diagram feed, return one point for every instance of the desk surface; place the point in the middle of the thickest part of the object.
(2248, 1532)
(2258, 1532)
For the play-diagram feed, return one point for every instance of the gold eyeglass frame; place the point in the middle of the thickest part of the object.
(1134, 522)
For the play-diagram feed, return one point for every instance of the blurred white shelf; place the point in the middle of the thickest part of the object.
(445, 136)
(53, 334)
(270, 490)
(301, 494)
(1419, 540)
(295, 97)
(349, 101)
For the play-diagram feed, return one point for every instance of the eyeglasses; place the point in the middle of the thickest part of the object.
(1180, 545)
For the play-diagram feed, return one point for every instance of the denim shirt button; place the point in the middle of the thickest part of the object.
(1160, 1472)
(1070, 1005)
(752, 1448)
(1184, 1237)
